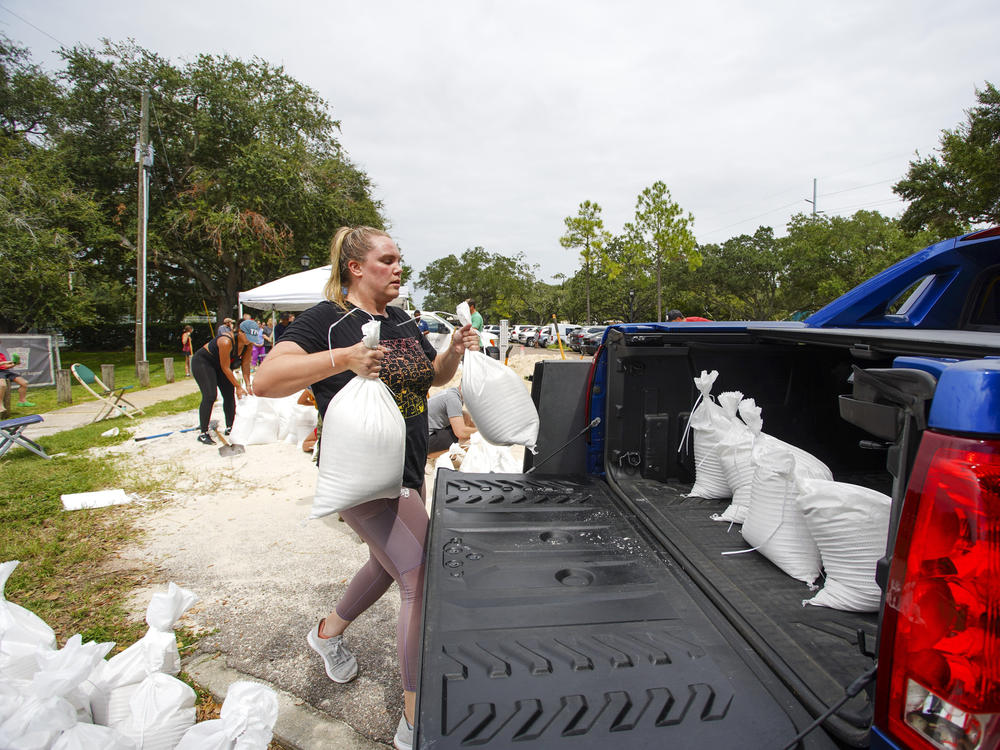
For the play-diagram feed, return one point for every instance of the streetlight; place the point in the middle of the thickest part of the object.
(304, 260)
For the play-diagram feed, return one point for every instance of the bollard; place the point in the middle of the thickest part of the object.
(142, 368)
(64, 387)
(108, 376)
(168, 369)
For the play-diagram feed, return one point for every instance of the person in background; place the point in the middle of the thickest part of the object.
(284, 321)
(475, 317)
(421, 324)
(212, 367)
(366, 263)
(228, 324)
(675, 316)
(8, 376)
(446, 420)
(187, 349)
(259, 350)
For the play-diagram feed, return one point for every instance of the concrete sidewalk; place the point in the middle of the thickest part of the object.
(83, 413)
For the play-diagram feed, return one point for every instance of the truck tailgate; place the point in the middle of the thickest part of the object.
(550, 620)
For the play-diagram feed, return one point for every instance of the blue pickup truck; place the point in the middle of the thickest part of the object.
(586, 602)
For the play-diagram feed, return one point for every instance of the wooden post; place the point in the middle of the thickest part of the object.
(143, 369)
(6, 385)
(108, 376)
(64, 387)
(168, 369)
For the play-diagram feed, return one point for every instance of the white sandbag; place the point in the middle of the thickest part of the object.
(736, 458)
(464, 313)
(703, 427)
(484, 458)
(256, 422)
(92, 737)
(40, 713)
(775, 525)
(850, 525)
(96, 499)
(300, 421)
(114, 680)
(161, 710)
(246, 721)
(499, 403)
(364, 439)
(451, 459)
(22, 634)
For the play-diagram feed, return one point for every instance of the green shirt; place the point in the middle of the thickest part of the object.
(477, 320)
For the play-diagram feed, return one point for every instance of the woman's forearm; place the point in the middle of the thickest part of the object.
(445, 365)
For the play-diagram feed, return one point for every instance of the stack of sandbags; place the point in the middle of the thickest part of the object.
(72, 699)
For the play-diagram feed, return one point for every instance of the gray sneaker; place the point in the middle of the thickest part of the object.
(341, 666)
(404, 735)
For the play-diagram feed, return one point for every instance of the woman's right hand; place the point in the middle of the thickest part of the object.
(364, 361)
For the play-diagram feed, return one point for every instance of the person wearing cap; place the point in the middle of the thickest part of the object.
(213, 368)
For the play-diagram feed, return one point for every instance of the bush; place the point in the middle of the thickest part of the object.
(116, 336)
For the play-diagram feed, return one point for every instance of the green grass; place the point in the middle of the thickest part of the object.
(70, 573)
(44, 397)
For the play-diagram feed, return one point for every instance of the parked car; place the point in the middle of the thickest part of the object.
(576, 336)
(441, 324)
(519, 333)
(531, 336)
(592, 339)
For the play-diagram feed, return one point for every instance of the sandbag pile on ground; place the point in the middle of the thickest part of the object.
(73, 699)
(791, 510)
(261, 420)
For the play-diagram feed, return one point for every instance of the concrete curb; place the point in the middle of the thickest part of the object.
(299, 726)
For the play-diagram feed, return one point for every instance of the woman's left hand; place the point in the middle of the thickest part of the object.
(464, 338)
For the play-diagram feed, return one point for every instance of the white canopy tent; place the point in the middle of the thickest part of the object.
(299, 291)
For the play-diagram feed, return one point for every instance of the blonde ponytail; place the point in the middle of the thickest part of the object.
(349, 243)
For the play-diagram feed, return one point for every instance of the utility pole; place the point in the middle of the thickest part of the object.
(144, 159)
(813, 201)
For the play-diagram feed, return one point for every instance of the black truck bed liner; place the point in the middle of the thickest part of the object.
(815, 649)
(555, 622)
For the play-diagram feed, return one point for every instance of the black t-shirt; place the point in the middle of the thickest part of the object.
(407, 368)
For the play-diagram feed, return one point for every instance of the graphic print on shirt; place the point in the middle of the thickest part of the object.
(408, 373)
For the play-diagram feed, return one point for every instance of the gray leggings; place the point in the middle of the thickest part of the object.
(395, 530)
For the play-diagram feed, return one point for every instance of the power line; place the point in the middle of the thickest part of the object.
(36, 28)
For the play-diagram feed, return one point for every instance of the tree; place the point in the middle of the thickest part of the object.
(28, 97)
(741, 278)
(961, 188)
(586, 231)
(824, 257)
(500, 284)
(249, 175)
(662, 229)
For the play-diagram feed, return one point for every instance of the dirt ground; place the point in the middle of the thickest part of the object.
(234, 530)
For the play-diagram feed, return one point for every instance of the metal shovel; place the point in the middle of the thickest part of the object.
(226, 449)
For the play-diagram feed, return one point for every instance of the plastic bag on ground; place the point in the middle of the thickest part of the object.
(775, 525)
(736, 459)
(22, 634)
(499, 403)
(364, 438)
(485, 458)
(161, 709)
(246, 721)
(114, 681)
(850, 525)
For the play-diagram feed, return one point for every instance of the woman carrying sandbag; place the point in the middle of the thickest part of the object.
(324, 349)
(213, 366)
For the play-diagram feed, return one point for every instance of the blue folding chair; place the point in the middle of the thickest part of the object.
(11, 434)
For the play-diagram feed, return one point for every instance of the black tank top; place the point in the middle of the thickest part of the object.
(235, 358)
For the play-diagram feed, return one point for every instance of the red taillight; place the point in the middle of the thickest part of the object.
(939, 658)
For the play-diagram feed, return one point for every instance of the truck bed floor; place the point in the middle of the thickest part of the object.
(550, 621)
(814, 648)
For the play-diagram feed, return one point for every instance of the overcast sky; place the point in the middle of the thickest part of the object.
(488, 123)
